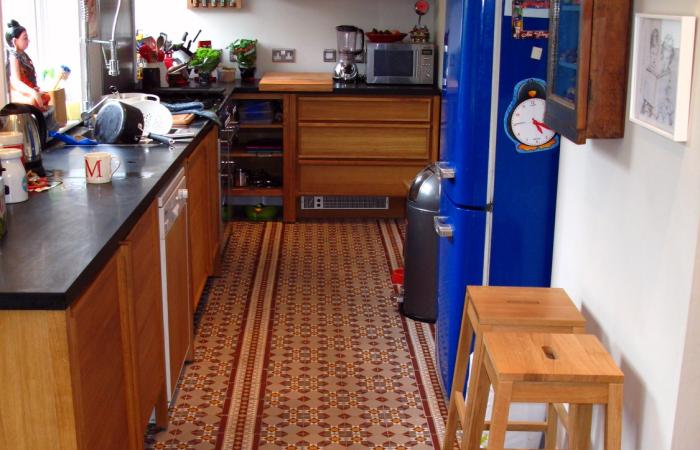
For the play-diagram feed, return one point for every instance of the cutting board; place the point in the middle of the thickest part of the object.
(182, 119)
(297, 82)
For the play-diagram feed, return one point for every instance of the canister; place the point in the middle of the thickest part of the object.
(14, 175)
(11, 139)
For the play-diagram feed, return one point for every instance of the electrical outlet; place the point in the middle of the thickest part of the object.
(284, 55)
(330, 55)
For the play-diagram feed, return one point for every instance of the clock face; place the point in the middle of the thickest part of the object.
(527, 123)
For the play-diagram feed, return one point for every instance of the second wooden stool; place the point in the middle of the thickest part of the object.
(547, 368)
(495, 308)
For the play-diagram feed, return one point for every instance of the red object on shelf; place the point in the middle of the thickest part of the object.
(397, 276)
(204, 44)
(385, 38)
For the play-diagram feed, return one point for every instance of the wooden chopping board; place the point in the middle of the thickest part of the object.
(182, 119)
(297, 82)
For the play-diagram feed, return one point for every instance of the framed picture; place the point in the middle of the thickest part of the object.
(662, 66)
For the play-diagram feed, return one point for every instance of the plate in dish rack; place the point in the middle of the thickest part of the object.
(156, 117)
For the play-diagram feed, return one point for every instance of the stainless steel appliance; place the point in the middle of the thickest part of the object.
(177, 308)
(348, 50)
(398, 63)
(29, 121)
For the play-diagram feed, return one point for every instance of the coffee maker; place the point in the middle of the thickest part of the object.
(348, 50)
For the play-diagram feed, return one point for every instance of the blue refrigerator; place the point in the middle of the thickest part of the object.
(498, 161)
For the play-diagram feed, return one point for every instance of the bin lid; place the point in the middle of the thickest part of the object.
(425, 190)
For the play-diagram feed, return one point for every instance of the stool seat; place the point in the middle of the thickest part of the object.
(521, 306)
(546, 357)
(550, 369)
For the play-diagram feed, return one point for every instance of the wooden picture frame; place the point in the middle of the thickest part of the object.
(662, 66)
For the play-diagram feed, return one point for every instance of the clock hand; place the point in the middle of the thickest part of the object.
(540, 125)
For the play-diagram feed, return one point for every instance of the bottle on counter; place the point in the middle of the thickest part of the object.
(15, 177)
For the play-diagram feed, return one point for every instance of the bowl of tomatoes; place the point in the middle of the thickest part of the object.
(385, 36)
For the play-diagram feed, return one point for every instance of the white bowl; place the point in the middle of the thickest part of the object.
(156, 117)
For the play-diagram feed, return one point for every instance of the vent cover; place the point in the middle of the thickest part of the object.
(343, 202)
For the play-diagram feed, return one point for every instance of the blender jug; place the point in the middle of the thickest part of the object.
(347, 39)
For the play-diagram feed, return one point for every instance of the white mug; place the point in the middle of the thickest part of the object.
(98, 167)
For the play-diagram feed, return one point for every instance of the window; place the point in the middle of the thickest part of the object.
(54, 33)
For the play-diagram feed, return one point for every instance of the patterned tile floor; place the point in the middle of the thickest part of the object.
(300, 346)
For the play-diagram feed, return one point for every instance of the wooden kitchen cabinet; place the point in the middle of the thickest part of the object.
(63, 381)
(587, 70)
(142, 320)
(202, 213)
(362, 146)
(96, 343)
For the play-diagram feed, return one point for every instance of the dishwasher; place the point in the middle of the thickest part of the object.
(177, 307)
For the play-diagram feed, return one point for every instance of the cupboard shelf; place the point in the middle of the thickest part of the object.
(245, 154)
(254, 192)
(260, 126)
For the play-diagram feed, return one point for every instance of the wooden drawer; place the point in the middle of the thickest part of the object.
(356, 179)
(338, 141)
(363, 109)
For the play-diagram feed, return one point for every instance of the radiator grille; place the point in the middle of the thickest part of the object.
(343, 202)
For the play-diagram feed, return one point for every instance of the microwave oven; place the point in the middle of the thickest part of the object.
(398, 63)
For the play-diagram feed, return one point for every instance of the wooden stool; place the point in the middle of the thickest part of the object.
(547, 368)
(492, 308)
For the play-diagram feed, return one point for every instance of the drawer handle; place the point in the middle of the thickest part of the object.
(183, 194)
(441, 228)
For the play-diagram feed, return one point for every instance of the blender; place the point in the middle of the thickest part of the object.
(348, 50)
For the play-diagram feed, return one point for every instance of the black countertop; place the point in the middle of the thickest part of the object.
(58, 240)
(359, 88)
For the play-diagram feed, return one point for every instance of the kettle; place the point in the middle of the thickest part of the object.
(29, 121)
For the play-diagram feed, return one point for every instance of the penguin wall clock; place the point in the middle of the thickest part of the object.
(524, 118)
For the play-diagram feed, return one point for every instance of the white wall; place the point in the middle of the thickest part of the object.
(307, 25)
(625, 249)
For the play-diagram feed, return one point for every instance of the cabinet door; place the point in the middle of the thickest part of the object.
(97, 364)
(180, 319)
(212, 144)
(142, 315)
(199, 215)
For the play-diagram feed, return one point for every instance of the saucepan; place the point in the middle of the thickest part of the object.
(122, 123)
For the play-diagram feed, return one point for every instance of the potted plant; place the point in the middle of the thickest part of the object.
(244, 51)
(205, 60)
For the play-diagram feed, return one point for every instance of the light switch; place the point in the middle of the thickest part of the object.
(330, 55)
(536, 53)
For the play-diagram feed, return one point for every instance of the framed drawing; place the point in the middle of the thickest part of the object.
(662, 66)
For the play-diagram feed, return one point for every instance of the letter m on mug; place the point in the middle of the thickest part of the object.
(95, 170)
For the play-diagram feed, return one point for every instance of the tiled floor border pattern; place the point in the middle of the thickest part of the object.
(421, 340)
(233, 339)
(238, 429)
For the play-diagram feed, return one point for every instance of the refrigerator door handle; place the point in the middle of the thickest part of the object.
(444, 170)
(441, 228)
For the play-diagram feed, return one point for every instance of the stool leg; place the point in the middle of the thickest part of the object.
(499, 418)
(476, 375)
(466, 333)
(613, 418)
(580, 416)
(475, 424)
(550, 437)
(452, 419)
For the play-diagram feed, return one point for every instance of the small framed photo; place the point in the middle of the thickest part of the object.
(662, 66)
